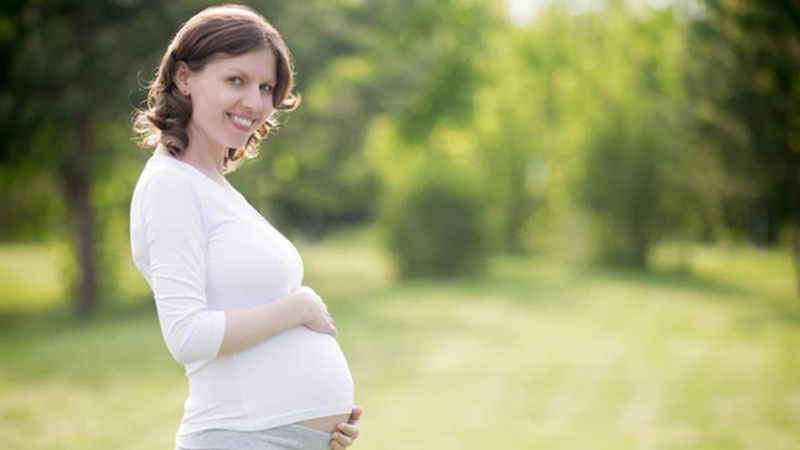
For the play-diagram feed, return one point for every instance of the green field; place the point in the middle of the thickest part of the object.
(699, 355)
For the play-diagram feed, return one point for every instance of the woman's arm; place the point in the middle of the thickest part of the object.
(246, 327)
(176, 237)
(173, 234)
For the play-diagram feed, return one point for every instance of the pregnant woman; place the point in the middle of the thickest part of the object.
(265, 370)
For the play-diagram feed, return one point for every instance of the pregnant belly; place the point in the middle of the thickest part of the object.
(299, 370)
(326, 424)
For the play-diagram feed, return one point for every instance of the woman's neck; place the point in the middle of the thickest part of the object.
(202, 161)
(204, 154)
(208, 163)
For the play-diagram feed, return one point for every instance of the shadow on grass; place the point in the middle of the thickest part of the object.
(509, 277)
(679, 279)
(543, 280)
(22, 322)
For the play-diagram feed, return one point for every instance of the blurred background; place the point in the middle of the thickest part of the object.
(537, 224)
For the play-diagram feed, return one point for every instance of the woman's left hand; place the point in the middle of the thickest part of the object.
(347, 432)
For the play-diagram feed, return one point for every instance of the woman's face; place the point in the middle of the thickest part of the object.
(231, 98)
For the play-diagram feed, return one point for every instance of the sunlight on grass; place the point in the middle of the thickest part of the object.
(768, 272)
(31, 275)
(538, 355)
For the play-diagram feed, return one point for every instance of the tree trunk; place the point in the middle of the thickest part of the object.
(85, 300)
(796, 242)
(794, 214)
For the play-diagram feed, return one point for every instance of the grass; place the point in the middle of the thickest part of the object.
(31, 275)
(701, 353)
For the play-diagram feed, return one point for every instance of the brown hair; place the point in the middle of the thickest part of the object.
(226, 29)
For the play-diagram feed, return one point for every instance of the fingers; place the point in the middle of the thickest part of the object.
(322, 322)
(331, 329)
(355, 414)
(349, 430)
(325, 311)
(340, 439)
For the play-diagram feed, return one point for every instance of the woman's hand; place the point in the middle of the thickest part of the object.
(347, 432)
(315, 312)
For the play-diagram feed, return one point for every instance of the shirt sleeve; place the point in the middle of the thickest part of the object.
(176, 243)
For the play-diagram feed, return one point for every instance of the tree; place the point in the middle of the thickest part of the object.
(644, 178)
(63, 77)
(743, 78)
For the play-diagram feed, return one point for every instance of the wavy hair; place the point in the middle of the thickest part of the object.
(226, 29)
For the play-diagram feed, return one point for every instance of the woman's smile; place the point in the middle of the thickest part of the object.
(241, 123)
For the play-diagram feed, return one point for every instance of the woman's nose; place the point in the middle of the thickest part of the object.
(253, 99)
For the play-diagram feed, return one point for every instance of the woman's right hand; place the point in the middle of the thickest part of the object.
(315, 312)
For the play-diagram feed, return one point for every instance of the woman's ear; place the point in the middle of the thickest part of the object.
(182, 74)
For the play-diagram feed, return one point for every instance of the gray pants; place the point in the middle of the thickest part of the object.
(286, 437)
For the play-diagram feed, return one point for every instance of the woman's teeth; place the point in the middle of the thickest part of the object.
(241, 120)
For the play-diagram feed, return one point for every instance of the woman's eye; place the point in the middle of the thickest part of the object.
(235, 80)
(266, 87)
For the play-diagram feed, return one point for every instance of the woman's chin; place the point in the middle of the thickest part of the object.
(235, 143)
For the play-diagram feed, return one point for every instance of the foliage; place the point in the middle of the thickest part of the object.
(742, 74)
(644, 178)
(436, 226)
(652, 120)
(357, 62)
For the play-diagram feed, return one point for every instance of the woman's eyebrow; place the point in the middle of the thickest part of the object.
(243, 73)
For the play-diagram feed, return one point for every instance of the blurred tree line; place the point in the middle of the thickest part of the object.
(601, 132)
(744, 79)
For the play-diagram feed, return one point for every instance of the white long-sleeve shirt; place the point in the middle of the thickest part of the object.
(204, 249)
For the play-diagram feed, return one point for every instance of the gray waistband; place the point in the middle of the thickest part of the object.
(286, 437)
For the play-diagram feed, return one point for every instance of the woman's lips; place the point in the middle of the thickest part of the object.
(238, 122)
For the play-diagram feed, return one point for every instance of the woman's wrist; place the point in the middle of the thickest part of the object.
(301, 308)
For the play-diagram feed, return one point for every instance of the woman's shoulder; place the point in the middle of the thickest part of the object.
(163, 179)
(159, 170)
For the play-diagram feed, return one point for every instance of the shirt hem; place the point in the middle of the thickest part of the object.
(263, 424)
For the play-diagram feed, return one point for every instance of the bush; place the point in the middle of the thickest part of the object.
(644, 183)
(436, 226)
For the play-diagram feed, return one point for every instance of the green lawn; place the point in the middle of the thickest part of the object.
(537, 355)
